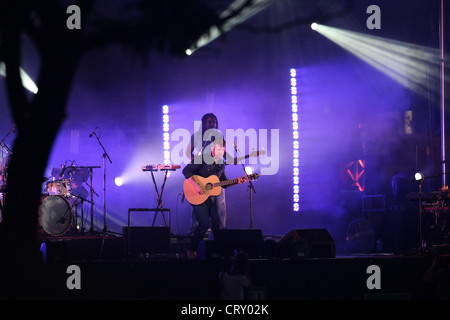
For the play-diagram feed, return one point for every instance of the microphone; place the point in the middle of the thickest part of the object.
(90, 136)
(237, 154)
(206, 141)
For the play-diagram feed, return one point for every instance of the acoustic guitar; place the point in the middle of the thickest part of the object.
(210, 186)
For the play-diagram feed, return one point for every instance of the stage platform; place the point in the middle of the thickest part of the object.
(107, 272)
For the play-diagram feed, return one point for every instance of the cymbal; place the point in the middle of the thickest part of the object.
(75, 173)
(78, 173)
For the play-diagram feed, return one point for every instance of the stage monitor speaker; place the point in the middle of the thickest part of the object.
(307, 243)
(226, 241)
(143, 240)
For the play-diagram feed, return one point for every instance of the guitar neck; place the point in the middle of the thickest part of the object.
(226, 182)
(252, 154)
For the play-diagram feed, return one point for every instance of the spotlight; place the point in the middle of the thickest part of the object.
(314, 26)
(418, 176)
(27, 82)
(231, 20)
(188, 52)
(118, 181)
(412, 66)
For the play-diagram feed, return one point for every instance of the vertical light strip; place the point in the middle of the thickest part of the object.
(166, 138)
(295, 142)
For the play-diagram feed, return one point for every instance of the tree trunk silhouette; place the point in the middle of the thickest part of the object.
(38, 121)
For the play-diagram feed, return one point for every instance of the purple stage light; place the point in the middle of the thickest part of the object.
(295, 143)
(166, 135)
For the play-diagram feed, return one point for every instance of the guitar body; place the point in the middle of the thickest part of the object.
(206, 184)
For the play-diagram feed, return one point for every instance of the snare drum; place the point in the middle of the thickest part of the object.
(58, 187)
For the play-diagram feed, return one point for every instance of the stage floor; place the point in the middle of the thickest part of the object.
(106, 272)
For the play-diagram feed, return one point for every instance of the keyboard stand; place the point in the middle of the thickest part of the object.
(159, 206)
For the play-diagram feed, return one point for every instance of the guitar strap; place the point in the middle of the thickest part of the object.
(220, 168)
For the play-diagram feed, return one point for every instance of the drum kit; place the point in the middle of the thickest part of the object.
(62, 194)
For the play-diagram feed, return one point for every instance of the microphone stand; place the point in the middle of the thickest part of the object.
(3, 144)
(7, 135)
(3, 147)
(105, 155)
(91, 192)
(251, 188)
(205, 143)
(421, 244)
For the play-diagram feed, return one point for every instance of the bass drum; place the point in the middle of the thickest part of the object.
(55, 215)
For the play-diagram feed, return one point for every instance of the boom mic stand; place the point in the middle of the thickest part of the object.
(3, 176)
(3, 145)
(251, 188)
(105, 155)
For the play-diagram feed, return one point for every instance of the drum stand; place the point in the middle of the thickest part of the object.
(91, 174)
(80, 200)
